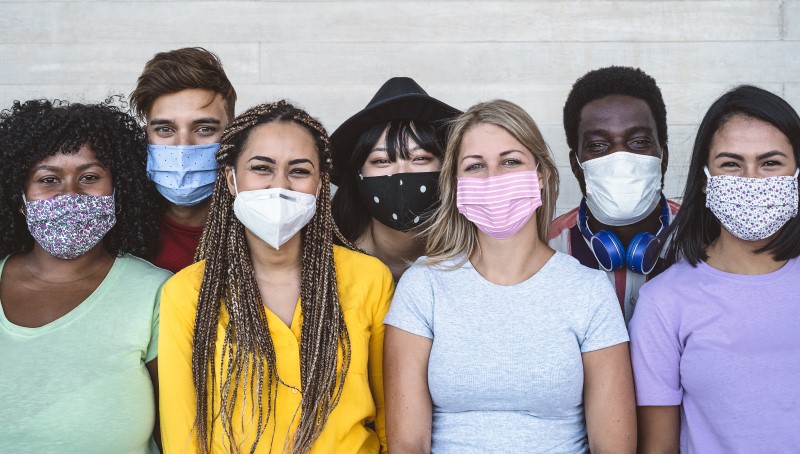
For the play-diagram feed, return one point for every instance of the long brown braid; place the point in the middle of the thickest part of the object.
(248, 348)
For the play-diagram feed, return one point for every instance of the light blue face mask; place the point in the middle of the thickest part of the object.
(183, 174)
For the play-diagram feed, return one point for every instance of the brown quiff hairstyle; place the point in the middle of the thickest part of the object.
(181, 69)
(450, 234)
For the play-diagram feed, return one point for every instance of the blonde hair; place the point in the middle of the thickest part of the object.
(450, 234)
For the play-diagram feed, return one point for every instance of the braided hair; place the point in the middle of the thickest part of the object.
(248, 352)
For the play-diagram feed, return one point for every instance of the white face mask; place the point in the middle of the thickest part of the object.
(752, 208)
(275, 215)
(622, 188)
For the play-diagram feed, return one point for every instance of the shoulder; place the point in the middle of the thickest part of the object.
(673, 278)
(674, 207)
(142, 271)
(563, 223)
(570, 268)
(353, 264)
(361, 279)
(185, 284)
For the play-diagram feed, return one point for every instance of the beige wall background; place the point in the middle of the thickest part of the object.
(331, 56)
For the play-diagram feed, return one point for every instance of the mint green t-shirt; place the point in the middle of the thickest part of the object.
(79, 384)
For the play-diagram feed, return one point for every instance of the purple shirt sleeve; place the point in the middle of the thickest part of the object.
(655, 354)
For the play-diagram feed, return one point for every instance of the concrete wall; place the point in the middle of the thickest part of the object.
(331, 56)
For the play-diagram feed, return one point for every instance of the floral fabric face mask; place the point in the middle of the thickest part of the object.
(752, 208)
(69, 225)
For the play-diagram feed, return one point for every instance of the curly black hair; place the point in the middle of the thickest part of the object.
(36, 129)
(613, 80)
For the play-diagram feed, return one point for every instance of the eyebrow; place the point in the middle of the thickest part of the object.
(503, 153)
(761, 157)
(629, 131)
(205, 120)
(262, 158)
(300, 161)
(770, 154)
(385, 149)
(272, 161)
(81, 167)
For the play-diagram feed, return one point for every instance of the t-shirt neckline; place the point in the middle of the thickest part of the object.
(82, 308)
(750, 278)
(529, 281)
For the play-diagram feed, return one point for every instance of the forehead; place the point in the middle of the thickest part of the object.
(84, 154)
(281, 140)
(616, 113)
(187, 105)
(486, 138)
(747, 135)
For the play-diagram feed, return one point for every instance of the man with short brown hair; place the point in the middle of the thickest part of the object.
(186, 101)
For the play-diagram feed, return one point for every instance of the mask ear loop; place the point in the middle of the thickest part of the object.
(235, 185)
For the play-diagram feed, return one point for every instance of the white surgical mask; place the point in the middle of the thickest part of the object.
(752, 208)
(275, 215)
(622, 188)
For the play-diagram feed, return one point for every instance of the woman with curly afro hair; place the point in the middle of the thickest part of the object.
(78, 311)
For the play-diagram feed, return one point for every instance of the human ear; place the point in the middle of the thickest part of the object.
(229, 179)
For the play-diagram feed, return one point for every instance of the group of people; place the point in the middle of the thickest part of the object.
(401, 284)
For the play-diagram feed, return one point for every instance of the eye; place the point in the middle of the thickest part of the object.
(48, 180)
(422, 159)
(641, 143)
(260, 168)
(730, 165)
(772, 163)
(206, 130)
(474, 166)
(595, 147)
(300, 171)
(163, 130)
(380, 161)
(90, 178)
(511, 162)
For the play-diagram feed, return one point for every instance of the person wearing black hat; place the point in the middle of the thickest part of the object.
(386, 162)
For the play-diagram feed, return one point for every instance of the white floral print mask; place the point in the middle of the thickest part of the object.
(752, 208)
(69, 225)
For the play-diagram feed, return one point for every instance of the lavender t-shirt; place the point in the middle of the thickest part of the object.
(727, 347)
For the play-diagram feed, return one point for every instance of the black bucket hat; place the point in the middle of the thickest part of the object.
(400, 98)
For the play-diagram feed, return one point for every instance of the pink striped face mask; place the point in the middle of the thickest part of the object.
(499, 206)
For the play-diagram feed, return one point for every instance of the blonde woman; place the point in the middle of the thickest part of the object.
(495, 342)
(272, 342)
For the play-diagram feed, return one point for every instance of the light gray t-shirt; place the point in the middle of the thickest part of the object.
(505, 371)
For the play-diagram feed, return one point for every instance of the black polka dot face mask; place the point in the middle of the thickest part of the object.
(401, 201)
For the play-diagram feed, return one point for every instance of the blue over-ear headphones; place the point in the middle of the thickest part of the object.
(642, 253)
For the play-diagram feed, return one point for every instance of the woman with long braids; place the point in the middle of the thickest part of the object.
(272, 341)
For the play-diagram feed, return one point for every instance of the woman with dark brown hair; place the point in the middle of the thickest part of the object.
(272, 342)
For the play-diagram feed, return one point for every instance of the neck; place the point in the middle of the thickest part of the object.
(394, 248)
(53, 269)
(625, 233)
(192, 216)
(733, 255)
(273, 263)
(513, 260)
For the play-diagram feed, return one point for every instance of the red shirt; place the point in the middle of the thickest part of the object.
(178, 243)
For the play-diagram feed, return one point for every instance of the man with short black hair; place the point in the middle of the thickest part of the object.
(616, 127)
(186, 101)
